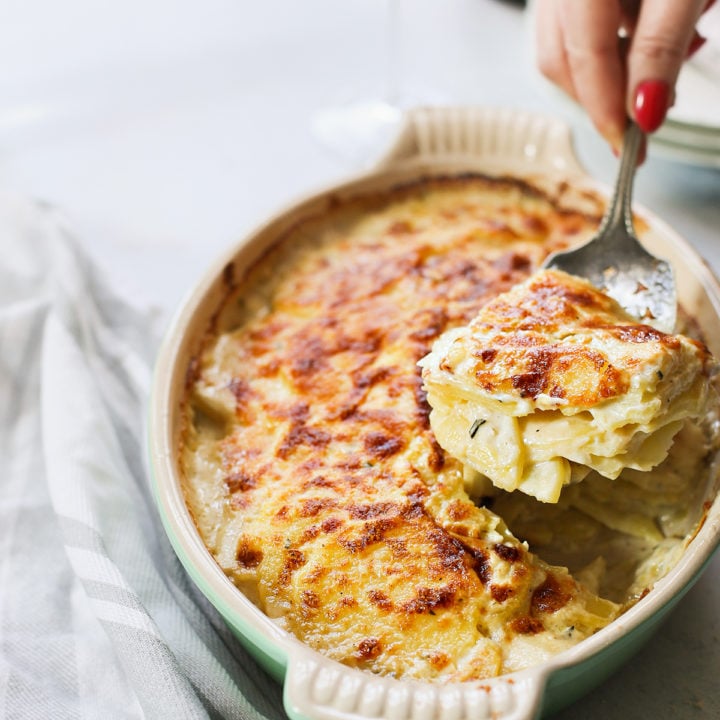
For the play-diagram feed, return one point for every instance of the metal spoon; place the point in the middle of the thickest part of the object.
(616, 262)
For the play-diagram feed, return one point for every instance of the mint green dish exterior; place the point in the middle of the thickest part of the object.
(437, 141)
(569, 684)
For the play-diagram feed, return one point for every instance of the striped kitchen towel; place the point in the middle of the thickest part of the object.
(97, 617)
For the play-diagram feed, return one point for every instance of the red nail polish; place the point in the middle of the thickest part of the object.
(651, 104)
(695, 44)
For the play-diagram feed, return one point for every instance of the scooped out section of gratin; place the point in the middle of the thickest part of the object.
(553, 379)
(317, 483)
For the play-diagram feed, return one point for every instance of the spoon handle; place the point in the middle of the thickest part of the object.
(619, 211)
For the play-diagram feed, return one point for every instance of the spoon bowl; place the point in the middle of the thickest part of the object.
(616, 262)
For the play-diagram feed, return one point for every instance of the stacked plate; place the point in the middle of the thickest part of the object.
(692, 131)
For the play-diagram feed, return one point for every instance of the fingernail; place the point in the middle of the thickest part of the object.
(709, 5)
(651, 104)
(695, 44)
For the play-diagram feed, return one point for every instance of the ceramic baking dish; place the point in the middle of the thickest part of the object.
(434, 141)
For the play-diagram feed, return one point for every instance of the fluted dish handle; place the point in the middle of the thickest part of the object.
(317, 688)
(509, 140)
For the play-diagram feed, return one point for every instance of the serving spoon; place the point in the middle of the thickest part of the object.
(615, 261)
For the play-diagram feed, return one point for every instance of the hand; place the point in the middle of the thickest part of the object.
(618, 58)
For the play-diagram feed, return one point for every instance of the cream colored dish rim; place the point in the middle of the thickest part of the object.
(433, 141)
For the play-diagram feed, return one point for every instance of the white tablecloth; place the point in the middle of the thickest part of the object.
(97, 617)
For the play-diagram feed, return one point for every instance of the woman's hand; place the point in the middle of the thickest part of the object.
(618, 57)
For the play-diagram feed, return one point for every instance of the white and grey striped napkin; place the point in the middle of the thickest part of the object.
(97, 617)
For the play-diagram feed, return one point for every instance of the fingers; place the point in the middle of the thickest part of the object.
(550, 46)
(660, 43)
(590, 30)
(629, 9)
(577, 48)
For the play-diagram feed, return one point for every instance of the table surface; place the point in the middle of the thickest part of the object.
(166, 129)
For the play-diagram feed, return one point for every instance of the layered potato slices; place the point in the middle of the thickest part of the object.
(553, 379)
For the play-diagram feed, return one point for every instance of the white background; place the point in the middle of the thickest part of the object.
(167, 129)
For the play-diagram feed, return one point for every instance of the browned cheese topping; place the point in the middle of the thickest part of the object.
(516, 329)
(310, 466)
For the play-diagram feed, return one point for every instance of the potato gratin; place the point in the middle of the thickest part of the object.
(554, 379)
(317, 483)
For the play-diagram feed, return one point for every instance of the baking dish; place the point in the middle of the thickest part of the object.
(434, 141)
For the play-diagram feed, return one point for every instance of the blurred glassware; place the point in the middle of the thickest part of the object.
(358, 129)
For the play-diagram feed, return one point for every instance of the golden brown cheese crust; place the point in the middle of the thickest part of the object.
(517, 356)
(317, 481)
(521, 346)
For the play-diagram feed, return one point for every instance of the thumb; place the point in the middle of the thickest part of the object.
(658, 48)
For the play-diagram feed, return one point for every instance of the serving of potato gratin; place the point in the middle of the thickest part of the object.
(389, 536)
(553, 379)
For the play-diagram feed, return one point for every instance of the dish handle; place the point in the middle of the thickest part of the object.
(317, 688)
(501, 138)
